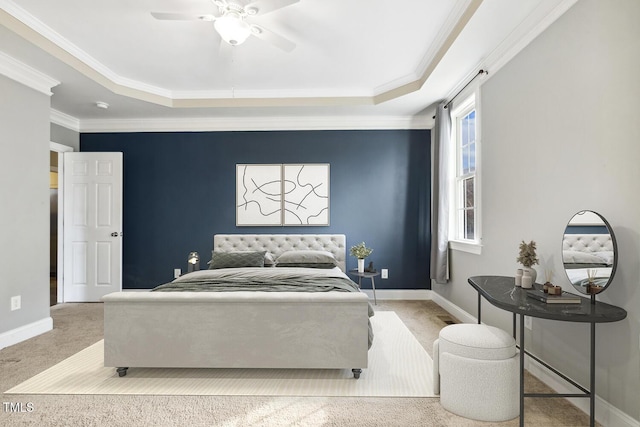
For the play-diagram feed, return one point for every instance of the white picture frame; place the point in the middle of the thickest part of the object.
(306, 194)
(282, 194)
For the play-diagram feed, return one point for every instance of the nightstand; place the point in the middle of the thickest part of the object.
(370, 275)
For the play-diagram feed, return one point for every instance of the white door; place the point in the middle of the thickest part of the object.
(92, 225)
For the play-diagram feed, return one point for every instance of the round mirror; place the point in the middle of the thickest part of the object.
(589, 252)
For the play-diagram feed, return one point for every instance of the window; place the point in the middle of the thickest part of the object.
(465, 212)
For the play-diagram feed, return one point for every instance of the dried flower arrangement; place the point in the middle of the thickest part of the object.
(360, 251)
(527, 256)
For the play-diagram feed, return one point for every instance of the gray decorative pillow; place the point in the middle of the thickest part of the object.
(306, 264)
(306, 258)
(236, 259)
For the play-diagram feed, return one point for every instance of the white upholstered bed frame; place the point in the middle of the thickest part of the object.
(324, 330)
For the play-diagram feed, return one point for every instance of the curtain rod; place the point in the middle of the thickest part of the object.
(465, 86)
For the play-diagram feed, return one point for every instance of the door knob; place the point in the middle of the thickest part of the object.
(114, 234)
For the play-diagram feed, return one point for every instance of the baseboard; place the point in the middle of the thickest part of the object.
(453, 309)
(400, 294)
(606, 414)
(25, 332)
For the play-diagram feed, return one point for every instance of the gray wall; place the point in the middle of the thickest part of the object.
(560, 134)
(24, 217)
(64, 136)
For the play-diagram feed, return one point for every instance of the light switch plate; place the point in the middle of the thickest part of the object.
(384, 274)
(176, 273)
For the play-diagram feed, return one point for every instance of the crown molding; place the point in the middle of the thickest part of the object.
(37, 32)
(538, 21)
(451, 27)
(64, 120)
(455, 25)
(26, 75)
(534, 25)
(263, 123)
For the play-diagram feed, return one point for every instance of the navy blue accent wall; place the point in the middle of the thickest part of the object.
(179, 190)
(586, 229)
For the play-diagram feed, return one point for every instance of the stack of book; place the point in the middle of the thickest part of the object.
(563, 298)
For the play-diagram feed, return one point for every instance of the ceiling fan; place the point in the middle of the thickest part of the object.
(234, 21)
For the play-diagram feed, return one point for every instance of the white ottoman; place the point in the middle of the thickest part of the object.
(476, 369)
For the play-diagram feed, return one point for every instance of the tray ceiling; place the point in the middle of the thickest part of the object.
(356, 58)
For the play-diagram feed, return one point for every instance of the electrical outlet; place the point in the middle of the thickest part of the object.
(384, 274)
(16, 303)
(176, 273)
(528, 322)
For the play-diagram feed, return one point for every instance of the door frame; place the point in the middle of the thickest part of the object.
(60, 149)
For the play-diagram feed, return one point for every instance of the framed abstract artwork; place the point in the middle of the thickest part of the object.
(306, 194)
(282, 195)
(258, 195)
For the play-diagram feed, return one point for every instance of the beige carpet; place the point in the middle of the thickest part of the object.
(398, 367)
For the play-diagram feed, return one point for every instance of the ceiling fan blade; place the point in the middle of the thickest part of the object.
(182, 17)
(262, 7)
(273, 38)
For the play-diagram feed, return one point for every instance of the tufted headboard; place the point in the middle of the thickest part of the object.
(587, 250)
(587, 243)
(276, 244)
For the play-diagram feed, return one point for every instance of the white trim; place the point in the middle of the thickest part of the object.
(453, 309)
(254, 123)
(469, 103)
(59, 148)
(430, 58)
(470, 247)
(25, 332)
(399, 294)
(26, 75)
(606, 413)
(64, 120)
(536, 23)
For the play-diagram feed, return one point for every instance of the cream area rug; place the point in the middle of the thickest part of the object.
(398, 367)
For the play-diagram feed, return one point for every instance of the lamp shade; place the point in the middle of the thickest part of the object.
(193, 262)
(232, 28)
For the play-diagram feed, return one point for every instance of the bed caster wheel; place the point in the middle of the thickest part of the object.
(121, 371)
(356, 373)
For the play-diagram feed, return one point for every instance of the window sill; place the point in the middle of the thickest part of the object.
(472, 248)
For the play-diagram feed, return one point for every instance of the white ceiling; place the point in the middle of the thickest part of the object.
(373, 62)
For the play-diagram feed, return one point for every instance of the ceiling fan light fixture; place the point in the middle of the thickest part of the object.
(232, 28)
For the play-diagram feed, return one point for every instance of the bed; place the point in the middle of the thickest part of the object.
(324, 328)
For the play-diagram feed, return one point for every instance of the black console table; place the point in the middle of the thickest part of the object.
(502, 292)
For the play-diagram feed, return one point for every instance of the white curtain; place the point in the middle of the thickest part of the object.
(440, 196)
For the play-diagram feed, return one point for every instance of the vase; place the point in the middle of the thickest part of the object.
(360, 265)
(519, 277)
(532, 272)
(527, 280)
